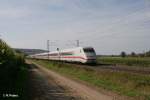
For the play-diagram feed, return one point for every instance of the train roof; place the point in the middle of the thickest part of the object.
(63, 50)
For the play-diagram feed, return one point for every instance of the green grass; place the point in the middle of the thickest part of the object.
(123, 83)
(130, 61)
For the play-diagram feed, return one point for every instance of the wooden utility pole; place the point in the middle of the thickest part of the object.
(48, 49)
(78, 43)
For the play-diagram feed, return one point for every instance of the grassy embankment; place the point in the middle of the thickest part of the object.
(129, 61)
(13, 74)
(123, 83)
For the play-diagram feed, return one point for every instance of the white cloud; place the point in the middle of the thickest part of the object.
(14, 13)
(101, 24)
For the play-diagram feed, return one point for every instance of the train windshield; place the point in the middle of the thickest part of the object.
(89, 50)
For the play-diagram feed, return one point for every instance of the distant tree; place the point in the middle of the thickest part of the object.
(133, 54)
(18, 51)
(123, 54)
(147, 54)
(141, 55)
(112, 55)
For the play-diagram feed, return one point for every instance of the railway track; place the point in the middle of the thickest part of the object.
(120, 68)
(131, 69)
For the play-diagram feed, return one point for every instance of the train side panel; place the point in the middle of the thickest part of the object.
(73, 55)
(80, 54)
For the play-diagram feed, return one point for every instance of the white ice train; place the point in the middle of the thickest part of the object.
(79, 54)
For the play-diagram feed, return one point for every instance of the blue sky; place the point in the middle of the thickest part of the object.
(110, 26)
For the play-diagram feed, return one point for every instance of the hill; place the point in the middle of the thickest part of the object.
(30, 51)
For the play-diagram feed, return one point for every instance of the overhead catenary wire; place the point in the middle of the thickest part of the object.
(120, 21)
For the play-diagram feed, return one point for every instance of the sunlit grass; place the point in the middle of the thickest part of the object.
(123, 83)
(130, 61)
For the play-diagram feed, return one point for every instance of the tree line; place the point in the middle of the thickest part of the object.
(133, 54)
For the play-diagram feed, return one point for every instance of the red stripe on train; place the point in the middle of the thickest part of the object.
(78, 57)
(74, 57)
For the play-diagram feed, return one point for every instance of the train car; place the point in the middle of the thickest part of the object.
(79, 54)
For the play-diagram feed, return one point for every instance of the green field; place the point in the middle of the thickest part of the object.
(136, 86)
(129, 61)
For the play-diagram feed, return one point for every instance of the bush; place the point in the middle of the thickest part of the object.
(10, 65)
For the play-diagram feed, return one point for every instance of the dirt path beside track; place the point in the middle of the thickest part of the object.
(44, 87)
(49, 85)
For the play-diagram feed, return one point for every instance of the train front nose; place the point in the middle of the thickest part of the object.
(90, 55)
(91, 58)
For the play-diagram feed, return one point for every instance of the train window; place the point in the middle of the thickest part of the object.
(66, 53)
(53, 54)
(88, 50)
